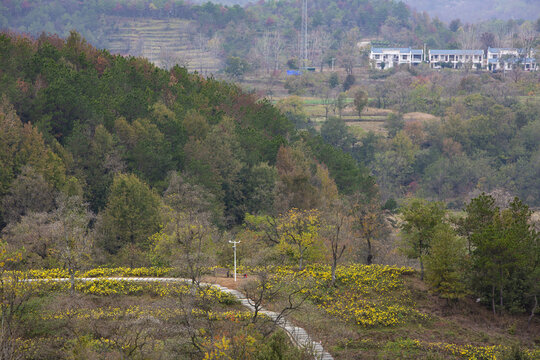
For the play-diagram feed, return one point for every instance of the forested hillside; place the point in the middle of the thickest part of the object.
(78, 119)
(268, 30)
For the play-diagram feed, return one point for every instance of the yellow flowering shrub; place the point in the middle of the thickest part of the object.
(135, 311)
(369, 296)
(97, 272)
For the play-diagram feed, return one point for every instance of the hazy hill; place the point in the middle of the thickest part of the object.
(478, 10)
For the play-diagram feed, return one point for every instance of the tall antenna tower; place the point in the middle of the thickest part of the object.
(304, 33)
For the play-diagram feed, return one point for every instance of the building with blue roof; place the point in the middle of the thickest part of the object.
(495, 59)
(385, 58)
(456, 58)
(504, 59)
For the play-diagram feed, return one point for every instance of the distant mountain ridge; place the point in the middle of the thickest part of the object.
(478, 10)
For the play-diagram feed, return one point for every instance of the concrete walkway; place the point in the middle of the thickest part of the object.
(297, 334)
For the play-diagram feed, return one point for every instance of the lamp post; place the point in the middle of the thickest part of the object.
(234, 247)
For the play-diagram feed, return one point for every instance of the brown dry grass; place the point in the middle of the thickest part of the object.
(419, 116)
(228, 282)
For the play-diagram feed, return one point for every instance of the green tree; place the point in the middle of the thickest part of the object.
(333, 80)
(131, 215)
(293, 108)
(394, 123)
(335, 132)
(340, 103)
(446, 263)
(28, 193)
(504, 254)
(360, 101)
(480, 213)
(236, 66)
(420, 219)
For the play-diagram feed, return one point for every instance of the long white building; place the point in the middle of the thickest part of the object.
(385, 58)
(495, 59)
(456, 58)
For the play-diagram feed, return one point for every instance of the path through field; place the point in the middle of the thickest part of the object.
(298, 335)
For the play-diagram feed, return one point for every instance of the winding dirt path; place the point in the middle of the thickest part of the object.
(297, 334)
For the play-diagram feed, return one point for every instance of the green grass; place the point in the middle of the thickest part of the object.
(317, 101)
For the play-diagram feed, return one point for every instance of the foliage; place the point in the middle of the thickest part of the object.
(420, 222)
(97, 272)
(131, 214)
(299, 235)
(364, 295)
(360, 101)
(446, 264)
(236, 67)
(504, 253)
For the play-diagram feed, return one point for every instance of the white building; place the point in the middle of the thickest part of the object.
(456, 58)
(504, 59)
(385, 58)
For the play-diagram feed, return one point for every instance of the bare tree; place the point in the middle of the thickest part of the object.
(75, 241)
(527, 37)
(348, 51)
(189, 230)
(368, 221)
(277, 48)
(319, 46)
(263, 50)
(468, 37)
(201, 45)
(287, 294)
(14, 294)
(337, 231)
(169, 58)
(131, 338)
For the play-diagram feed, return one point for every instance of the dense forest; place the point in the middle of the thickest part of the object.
(81, 119)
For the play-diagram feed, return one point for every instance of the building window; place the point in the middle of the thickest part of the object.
(377, 57)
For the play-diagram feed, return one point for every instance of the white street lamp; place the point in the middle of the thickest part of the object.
(234, 247)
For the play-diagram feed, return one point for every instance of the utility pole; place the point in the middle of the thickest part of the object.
(304, 33)
(234, 247)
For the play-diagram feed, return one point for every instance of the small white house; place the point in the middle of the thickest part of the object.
(504, 59)
(385, 58)
(456, 58)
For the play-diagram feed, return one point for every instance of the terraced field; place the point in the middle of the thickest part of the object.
(163, 42)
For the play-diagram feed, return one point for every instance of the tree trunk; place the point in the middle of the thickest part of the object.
(370, 255)
(532, 311)
(72, 280)
(421, 269)
(501, 290)
(301, 259)
(493, 299)
(334, 265)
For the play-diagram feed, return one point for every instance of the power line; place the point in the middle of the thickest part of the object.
(304, 33)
